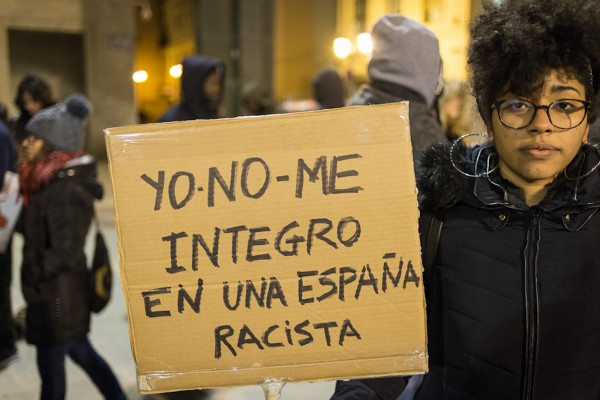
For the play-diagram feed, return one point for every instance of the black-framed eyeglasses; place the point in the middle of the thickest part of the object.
(563, 113)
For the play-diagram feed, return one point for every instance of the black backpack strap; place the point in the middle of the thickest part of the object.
(430, 237)
(430, 230)
(389, 388)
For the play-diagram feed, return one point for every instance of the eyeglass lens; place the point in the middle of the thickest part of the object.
(563, 114)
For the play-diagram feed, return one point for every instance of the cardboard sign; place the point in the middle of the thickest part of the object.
(276, 247)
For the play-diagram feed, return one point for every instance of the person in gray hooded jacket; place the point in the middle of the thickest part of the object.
(406, 65)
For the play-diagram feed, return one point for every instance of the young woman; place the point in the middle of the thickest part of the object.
(513, 300)
(58, 184)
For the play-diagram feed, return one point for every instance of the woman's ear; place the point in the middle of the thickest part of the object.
(587, 131)
(490, 131)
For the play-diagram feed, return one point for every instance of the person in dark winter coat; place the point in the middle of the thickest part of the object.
(512, 292)
(406, 65)
(58, 184)
(328, 89)
(202, 89)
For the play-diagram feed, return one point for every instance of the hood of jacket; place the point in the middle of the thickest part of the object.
(406, 53)
(82, 170)
(195, 70)
(441, 185)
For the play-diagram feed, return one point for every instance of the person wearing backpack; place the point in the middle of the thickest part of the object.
(58, 184)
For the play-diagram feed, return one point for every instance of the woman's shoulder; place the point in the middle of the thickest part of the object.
(81, 173)
(579, 183)
(67, 191)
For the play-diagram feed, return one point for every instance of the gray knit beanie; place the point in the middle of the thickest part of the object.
(63, 124)
(406, 53)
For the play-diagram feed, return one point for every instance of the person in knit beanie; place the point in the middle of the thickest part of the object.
(63, 124)
(406, 65)
(59, 186)
(56, 135)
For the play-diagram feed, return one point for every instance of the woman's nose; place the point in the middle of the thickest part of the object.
(541, 121)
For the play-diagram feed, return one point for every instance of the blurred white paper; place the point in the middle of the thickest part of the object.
(10, 208)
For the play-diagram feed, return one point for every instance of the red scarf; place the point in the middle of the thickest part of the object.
(35, 175)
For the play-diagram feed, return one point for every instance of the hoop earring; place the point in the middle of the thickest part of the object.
(483, 147)
(591, 170)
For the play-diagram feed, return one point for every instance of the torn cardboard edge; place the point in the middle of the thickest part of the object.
(171, 381)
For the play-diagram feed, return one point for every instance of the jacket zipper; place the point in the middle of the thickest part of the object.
(531, 298)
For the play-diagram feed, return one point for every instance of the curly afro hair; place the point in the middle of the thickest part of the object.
(515, 43)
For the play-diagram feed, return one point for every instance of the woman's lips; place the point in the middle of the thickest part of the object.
(539, 150)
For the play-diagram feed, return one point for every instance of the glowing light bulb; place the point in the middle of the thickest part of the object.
(364, 44)
(175, 71)
(140, 76)
(342, 47)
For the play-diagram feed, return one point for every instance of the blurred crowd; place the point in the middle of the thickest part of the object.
(51, 179)
(512, 305)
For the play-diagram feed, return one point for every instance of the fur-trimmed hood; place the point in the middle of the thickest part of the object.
(441, 185)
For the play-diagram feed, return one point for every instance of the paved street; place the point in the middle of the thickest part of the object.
(110, 336)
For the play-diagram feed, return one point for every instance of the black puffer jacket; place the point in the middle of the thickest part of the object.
(516, 306)
(512, 299)
(54, 274)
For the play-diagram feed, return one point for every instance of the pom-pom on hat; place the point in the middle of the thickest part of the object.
(63, 124)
